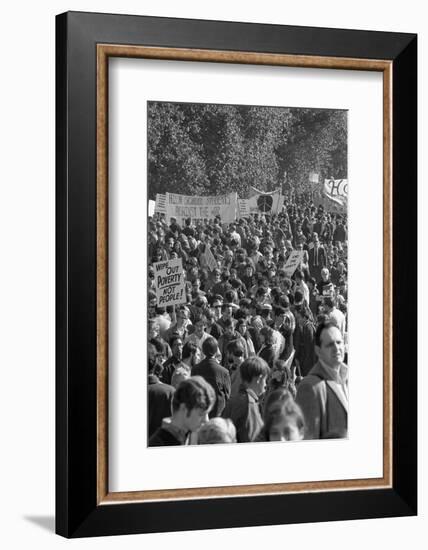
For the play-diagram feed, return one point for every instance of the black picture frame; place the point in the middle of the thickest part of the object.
(78, 513)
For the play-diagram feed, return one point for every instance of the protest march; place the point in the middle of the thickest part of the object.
(247, 317)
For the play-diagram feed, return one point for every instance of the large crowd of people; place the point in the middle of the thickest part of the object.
(252, 354)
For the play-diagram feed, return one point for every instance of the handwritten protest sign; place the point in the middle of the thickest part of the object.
(199, 208)
(293, 262)
(169, 282)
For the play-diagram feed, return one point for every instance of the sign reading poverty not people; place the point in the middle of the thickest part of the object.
(169, 282)
(293, 262)
(196, 208)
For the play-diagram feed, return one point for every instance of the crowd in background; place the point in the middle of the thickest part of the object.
(252, 354)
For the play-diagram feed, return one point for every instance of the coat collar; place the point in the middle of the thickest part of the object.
(320, 371)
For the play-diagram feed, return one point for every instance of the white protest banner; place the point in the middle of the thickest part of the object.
(337, 192)
(199, 208)
(160, 203)
(152, 206)
(267, 203)
(169, 282)
(210, 261)
(293, 262)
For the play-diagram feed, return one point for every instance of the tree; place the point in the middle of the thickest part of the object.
(210, 149)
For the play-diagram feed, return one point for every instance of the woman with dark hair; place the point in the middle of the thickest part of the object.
(282, 417)
(180, 252)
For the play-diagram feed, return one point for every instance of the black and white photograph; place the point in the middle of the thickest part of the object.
(247, 259)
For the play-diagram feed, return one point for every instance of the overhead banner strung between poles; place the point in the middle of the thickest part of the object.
(169, 282)
(197, 209)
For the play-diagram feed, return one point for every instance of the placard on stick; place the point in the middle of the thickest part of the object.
(169, 282)
(293, 262)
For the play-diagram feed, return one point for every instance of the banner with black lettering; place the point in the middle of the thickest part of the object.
(197, 208)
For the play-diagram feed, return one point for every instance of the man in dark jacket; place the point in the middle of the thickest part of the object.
(159, 394)
(216, 375)
(243, 408)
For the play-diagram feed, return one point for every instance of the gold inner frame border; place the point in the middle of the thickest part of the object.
(104, 52)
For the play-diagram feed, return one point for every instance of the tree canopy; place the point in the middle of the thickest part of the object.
(210, 149)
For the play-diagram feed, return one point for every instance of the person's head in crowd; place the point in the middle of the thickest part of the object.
(329, 345)
(155, 366)
(284, 302)
(161, 349)
(322, 318)
(199, 324)
(268, 253)
(242, 326)
(210, 347)
(191, 354)
(229, 326)
(266, 311)
(315, 238)
(182, 314)
(193, 399)
(311, 282)
(153, 329)
(275, 293)
(254, 372)
(249, 270)
(257, 323)
(341, 267)
(216, 275)
(261, 295)
(225, 275)
(180, 373)
(298, 275)
(328, 304)
(231, 297)
(217, 430)
(281, 377)
(177, 247)
(160, 310)
(234, 354)
(152, 301)
(169, 243)
(192, 243)
(200, 301)
(228, 256)
(298, 299)
(173, 255)
(217, 308)
(196, 285)
(271, 273)
(268, 335)
(226, 311)
(325, 274)
(280, 316)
